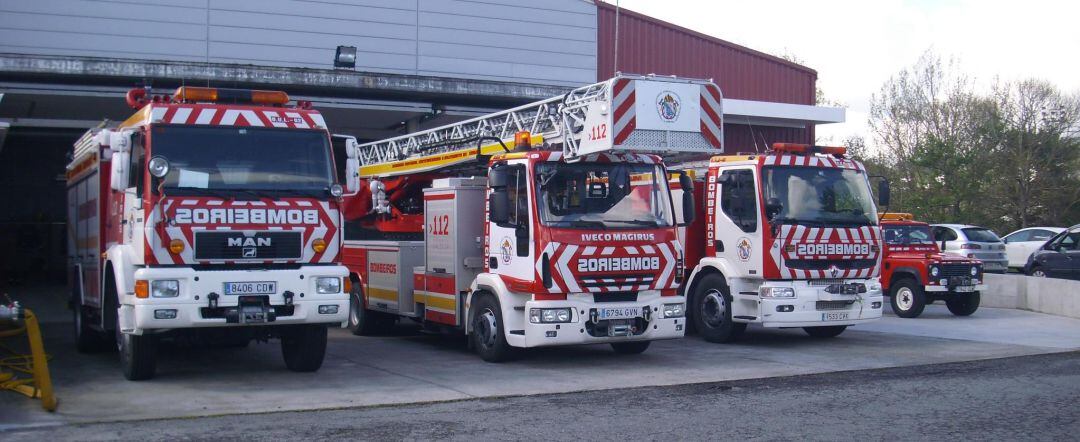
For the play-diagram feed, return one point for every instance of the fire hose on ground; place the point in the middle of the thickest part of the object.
(26, 374)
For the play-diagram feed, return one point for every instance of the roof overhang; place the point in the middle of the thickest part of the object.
(766, 113)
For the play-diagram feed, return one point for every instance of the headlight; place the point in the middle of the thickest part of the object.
(674, 310)
(934, 271)
(327, 284)
(166, 288)
(777, 292)
(974, 270)
(549, 315)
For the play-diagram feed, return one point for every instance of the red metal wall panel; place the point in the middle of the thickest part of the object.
(744, 138)
(651, 46)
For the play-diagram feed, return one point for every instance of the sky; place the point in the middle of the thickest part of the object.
(856, 46)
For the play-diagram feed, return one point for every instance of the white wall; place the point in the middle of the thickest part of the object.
(1045, 295)
(544, 42)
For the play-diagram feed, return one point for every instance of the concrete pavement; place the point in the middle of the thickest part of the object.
(410, 367)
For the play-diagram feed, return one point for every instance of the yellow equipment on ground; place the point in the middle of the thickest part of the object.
(14, 366)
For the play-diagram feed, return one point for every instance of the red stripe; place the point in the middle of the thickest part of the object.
(715, 92)
(624, 106)
(710, 111)
(707, 132)
(619, 86)
(438, 196)
(440, 317)
(439, 284)
(621, 136)
(169, 112)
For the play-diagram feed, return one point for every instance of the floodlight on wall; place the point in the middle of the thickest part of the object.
(345, 57)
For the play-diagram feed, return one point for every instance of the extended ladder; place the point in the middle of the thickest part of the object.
(663, 115)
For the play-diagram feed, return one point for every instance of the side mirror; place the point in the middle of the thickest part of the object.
(352, 175)
(498, 177)
(883, 192)
(688, 210)
(943, 242)
(499, 206)
(120, 160)
(773, 207)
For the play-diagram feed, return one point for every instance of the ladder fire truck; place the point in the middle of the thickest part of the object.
(212, 214)
(547, 224)
(787, 238)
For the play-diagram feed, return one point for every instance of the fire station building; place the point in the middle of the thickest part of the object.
(375, 68)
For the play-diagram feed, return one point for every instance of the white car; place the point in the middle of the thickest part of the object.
(1020, 244)
(972, 242)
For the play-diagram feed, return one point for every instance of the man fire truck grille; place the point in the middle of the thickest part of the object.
(235, 245)
(825, 264)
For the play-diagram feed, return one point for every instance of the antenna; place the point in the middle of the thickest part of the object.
(615, 62)
(754, 137)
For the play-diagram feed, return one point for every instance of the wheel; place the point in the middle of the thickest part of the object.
(907, 298)
(711, 311)
(828, 331)
(1037, 272)
(963, 304)
(88, 340)
(630, 348)
(138, 353)
(361, 320)
(485, 331)
(304, 347)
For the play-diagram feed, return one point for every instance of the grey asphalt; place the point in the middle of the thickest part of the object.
(409, 367)
(1023, 398)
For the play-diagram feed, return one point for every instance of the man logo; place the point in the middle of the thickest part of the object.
(249, 252)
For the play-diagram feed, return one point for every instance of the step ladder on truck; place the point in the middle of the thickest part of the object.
(546, 224)
(787, 238)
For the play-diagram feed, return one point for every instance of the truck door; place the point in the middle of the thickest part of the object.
(510, 243)
(738, 232)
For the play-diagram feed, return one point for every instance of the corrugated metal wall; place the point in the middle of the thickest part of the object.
(550, 42)
(648, 45)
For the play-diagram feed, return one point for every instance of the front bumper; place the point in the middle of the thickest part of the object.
(805, 310)
(192, 305)
(946, 289)
(579, 331)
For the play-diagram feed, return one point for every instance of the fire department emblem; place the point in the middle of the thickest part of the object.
(506, 247)
(668, 106)
(744, 249)
(834, 271)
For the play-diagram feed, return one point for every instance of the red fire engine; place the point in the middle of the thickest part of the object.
(210, 213)
(915, 273)
(787, 238)
(546, 224)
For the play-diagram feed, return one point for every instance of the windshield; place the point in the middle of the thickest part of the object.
(908, 235)
(817, 195)
(979, 234)
(243, 158)
(611, 195)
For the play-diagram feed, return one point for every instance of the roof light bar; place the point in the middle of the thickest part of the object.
(189, 94)
(808, 149)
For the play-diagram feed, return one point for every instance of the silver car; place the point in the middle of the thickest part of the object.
(972, 242)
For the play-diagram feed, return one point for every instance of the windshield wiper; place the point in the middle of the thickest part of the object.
(585, 223)
(637, 222)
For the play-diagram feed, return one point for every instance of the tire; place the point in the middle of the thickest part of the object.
(304, 347)
(88, 340)
(1037, 272)
(827, 331)
(362, 322)
(907, 298)
(711, 311)
(631, 348)
(485, 330)
(963, 304)
(138, 353)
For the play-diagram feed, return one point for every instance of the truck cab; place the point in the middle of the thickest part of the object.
(212, 214)
(915, 273)
(790, 239)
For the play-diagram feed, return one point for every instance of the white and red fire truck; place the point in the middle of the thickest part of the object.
(786, 238)
(211, 213)
(547, 224)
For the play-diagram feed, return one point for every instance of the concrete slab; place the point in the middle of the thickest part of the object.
(410, 367)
